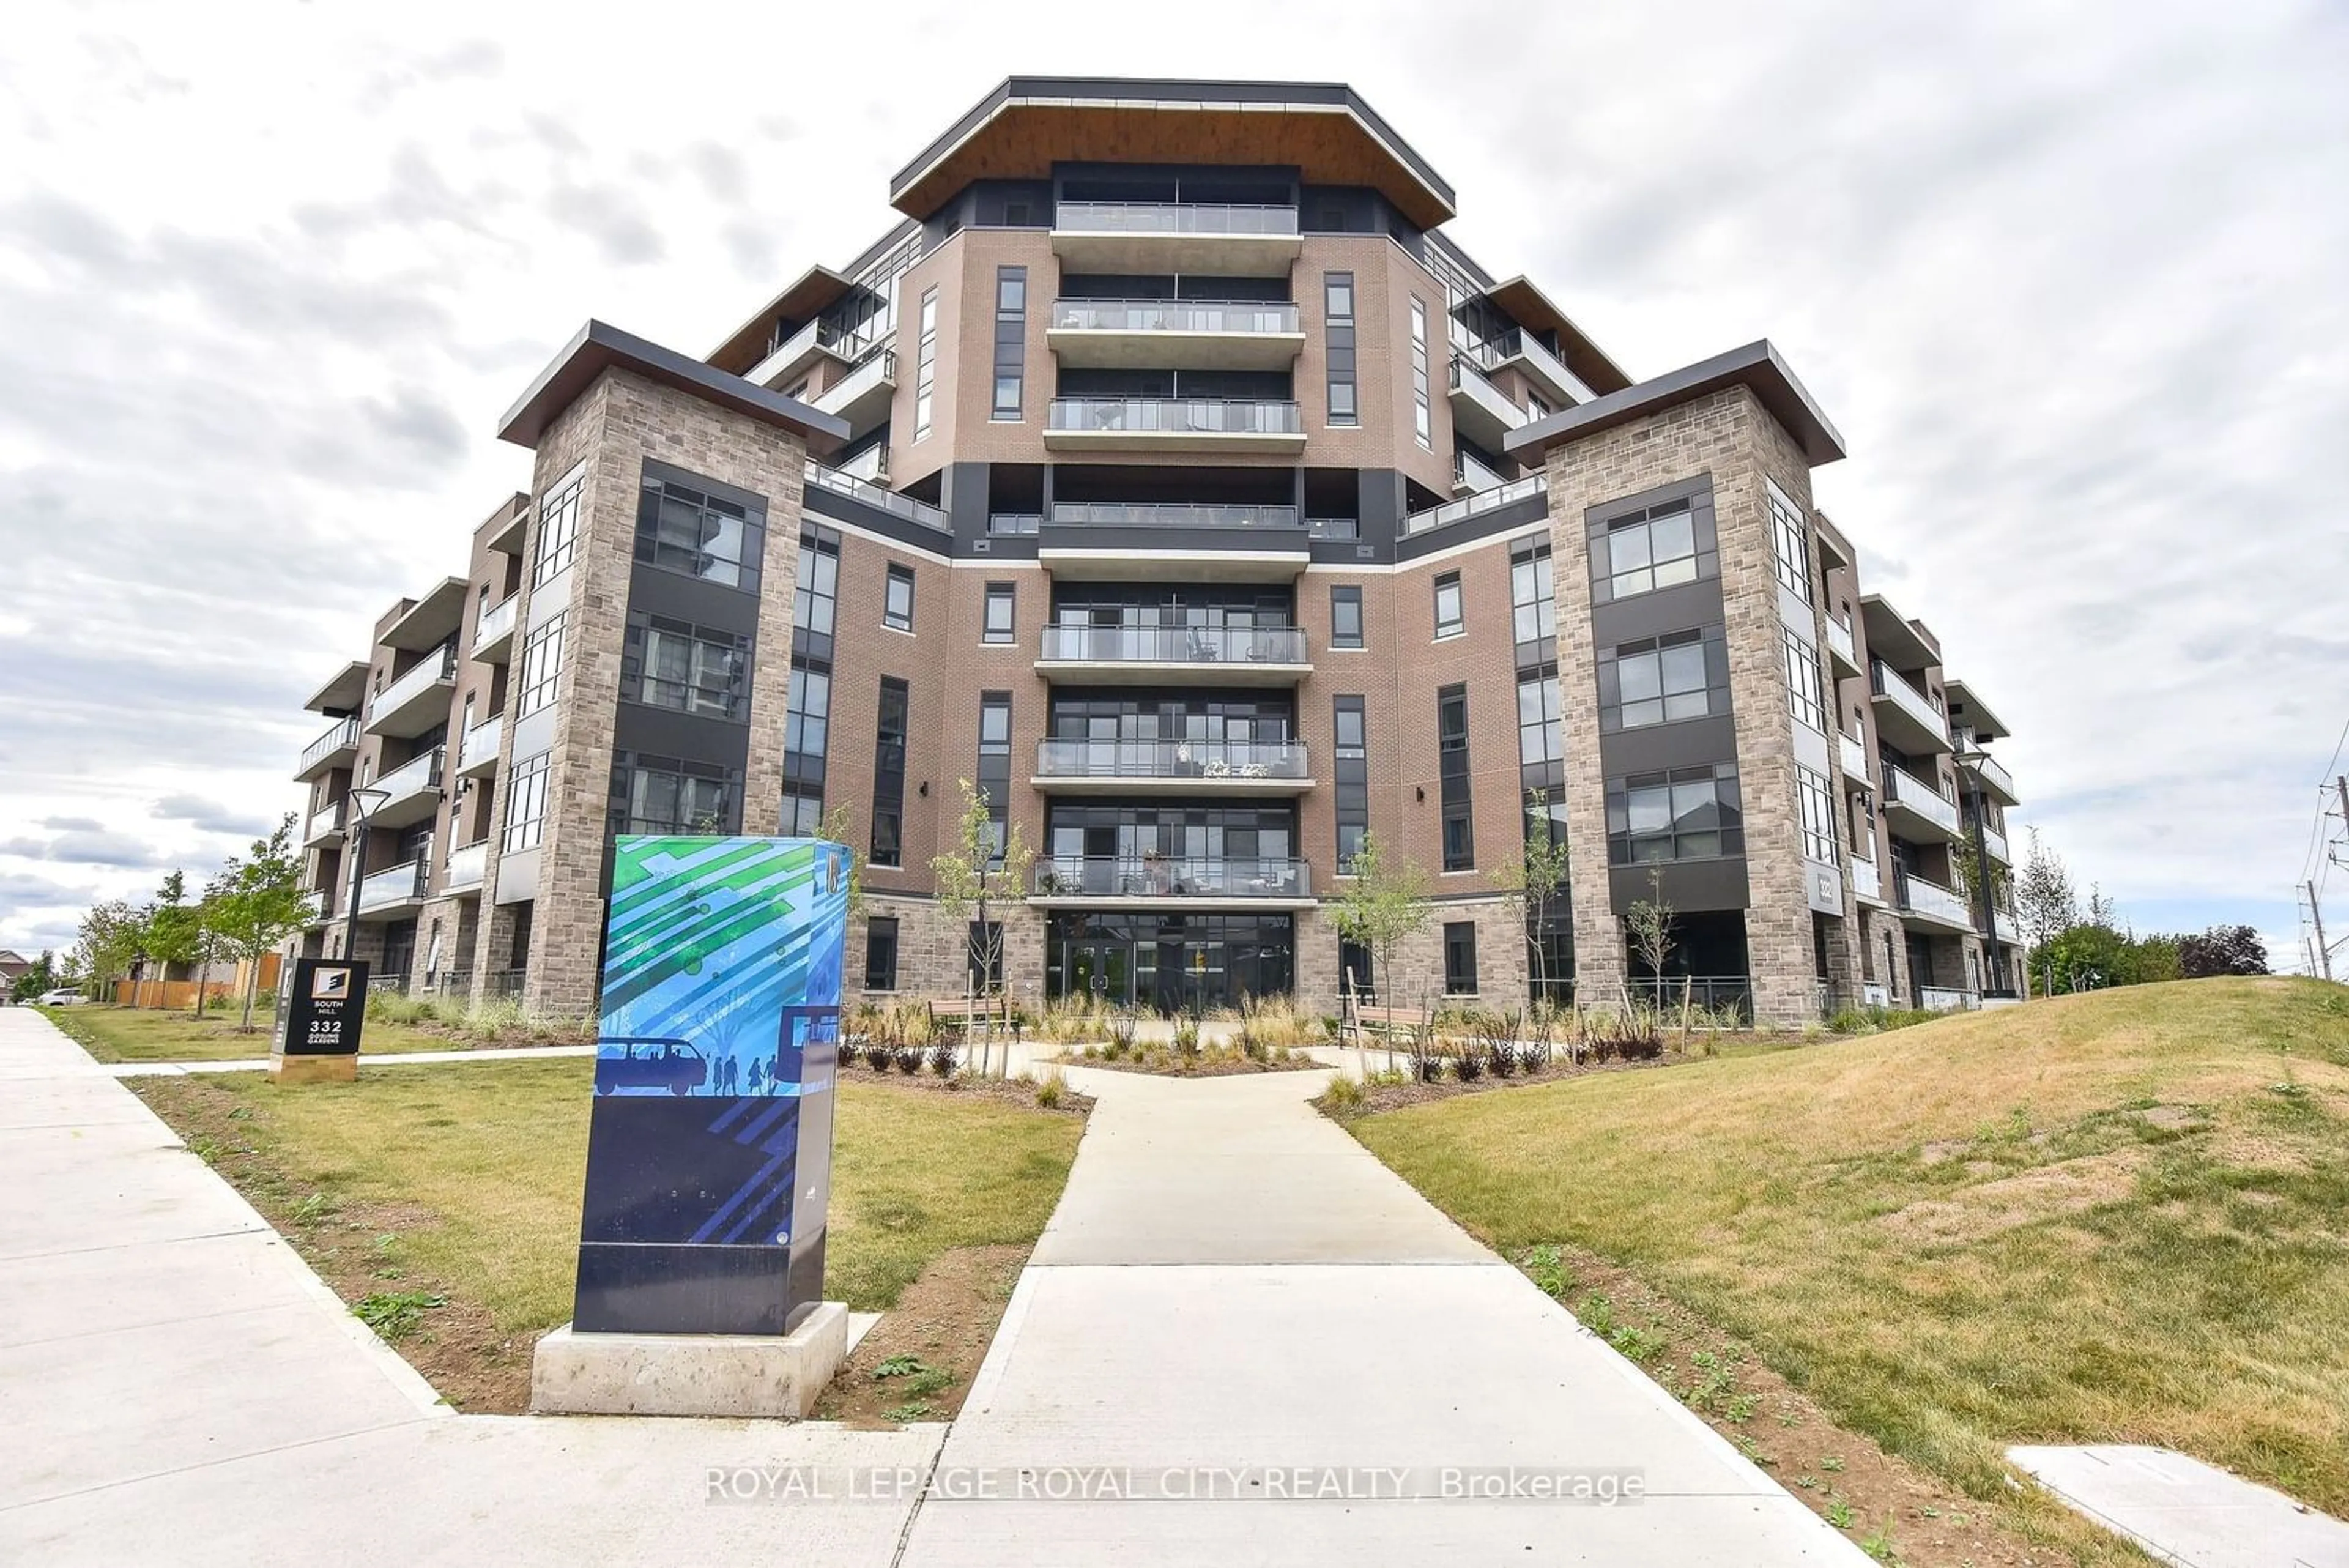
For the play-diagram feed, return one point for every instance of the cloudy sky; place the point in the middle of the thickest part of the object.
(2071, 280)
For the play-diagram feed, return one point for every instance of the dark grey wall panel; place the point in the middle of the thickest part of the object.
(1689, 885)
(1656, 747)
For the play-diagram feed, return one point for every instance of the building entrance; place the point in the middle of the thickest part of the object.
(1172, 962)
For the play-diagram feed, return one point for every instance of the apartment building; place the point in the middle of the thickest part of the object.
(1165, 471)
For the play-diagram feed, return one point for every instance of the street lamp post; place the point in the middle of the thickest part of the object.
(362, 803)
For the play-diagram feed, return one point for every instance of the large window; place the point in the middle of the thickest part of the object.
(1790, 543)
(897, 598)
(1423, 419)
(1818, 803)
(1353, 780)
(1804, 698)
(889, 773)
(926, 363)
(807, 731)
(1451, 615)
(1659, 680)
(995, 767)
(880, 952)
(1659, 547)
(1001, 621)
(1345, 615)
(1451, 760)
(558, 530)
(1541, 736)
(1338, 324)
(807, 722)
(1533, 597)
(680, 529)
(526, 802)
(1010, 339)
(1688, 814)
(1459, 958)
(541, 664)
(691, 669)
(669, 795)
(815, 597)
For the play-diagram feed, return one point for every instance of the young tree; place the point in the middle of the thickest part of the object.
(838, 825)
(1536, 880)
(113, 937)
(1650, 926)
(174, 934)
(1384, 902)
(987, 869)
(2222, 950)
(256, 903)
(42, 977)
(2046, 903)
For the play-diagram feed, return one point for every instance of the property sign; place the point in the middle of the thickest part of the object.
(709, 1141)
(326, 1008)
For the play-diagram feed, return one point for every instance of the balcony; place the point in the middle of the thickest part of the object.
(1216, 239)
(1990, 777)
(1481, 411)
(1529, 355)
(1529, 495)
(417, 702)
(1840, 644)
(861, 397)
(797, 354)
(1014, 525)
(1994, 846)
(467, 868)
(1151, 655)
(1916, 811)
(1904, 716)
(1930, 906)
(865, 493)
(413, 793)
(1175, 334)
(493, 635)
(1098, 880)
(1172, 540)
(324, 827)
(1865, 881)
(389, 894)
(1174, 424)
(1202, 766)
(1338, 528)
(1853, 756)
(477, 748)
(335, 749)
(1471, 475)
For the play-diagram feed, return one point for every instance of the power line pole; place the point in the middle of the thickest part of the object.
(2324, 953)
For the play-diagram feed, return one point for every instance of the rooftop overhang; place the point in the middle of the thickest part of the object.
(1324, 130)
(1968, 711)
(600, 346)
(1529, 307)
(817, 288)
(432, 620)
(1756, 367)
(343, 691)
(1894, 638)
(1835, 548)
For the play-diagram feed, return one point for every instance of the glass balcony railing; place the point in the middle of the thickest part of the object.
(435, 669)
(1015, 524)
(1994, 846)
(1233, 760)
(1946, 999)
(1853, 756)
(1991, 773)
(1333, 527)
(1171, 877)
(1476, 505)
(1904, 788)
(1472, 383)
(1933, 901)
(1173, 316)
(402, 883)
(327, 824)
(410, 778)
(1891, 685)
(1175, 644)
(1839, 640)
(1865, 880)
(1173, 218)
(1170, 514)
(1174, 416)
(496, 622)
(467, 867)
(1471, 473)
(478, 747)
(876, 495)
(789, 353)
(341, 735)
(1519, 344)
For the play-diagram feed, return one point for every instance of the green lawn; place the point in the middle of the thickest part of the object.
(2112, 1217)
(151, 1034)
(477, 1170)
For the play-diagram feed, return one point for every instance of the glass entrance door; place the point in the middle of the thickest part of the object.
(1103, 971)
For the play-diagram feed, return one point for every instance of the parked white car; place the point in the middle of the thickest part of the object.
(64, 997)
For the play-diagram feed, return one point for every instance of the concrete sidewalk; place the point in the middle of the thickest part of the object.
(1231, 1283)
(177, 1387)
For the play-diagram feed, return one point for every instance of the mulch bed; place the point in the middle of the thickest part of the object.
(929, 1345)
(1203, 1066)
(968, 1085)
(1393, 1096)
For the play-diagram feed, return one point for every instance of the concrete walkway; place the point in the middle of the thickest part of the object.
(1233, 1292)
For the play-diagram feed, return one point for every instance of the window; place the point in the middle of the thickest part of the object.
(1817, 802)
(1352, 798)
(1459, 958)
(898, 599)
(880, 953)
(807, 721)
(669, 795)
(527, 803)
(1533, 598)
(680, 529)
(1422, 419)
(889, 773)
(995, 767)
(690, 668)
(1660, 679)
(1541, 737)
(1010, 339)
(1804, 698)
(558, 530)
(1656, 548)
(926, 362)
(1689, 813)
(1790, 543)
(985, 947)
(1338, 329)
(1451, 760)
(1001, 619)
(1345, 615)
(816, 596)
(1449, 616)
(542, 663)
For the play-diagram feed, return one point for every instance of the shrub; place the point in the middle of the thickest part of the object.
(1186, 1036)
(1468, 1065)
(878, 1055)
(908, 1058)
(1122, 1022)
(942, 1058)
(1047, 1094)
(1344, 1096)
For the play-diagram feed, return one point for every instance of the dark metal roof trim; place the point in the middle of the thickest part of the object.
(1757, 367)
(600, 346)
